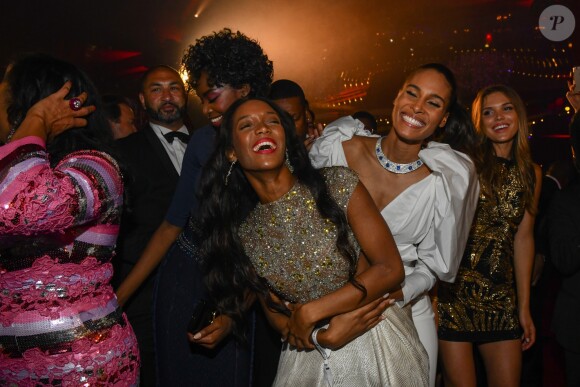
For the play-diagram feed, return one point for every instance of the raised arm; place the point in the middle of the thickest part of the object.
(53, 115)
(39, 199)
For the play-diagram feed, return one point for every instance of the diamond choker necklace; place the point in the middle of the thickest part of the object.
(392, 166)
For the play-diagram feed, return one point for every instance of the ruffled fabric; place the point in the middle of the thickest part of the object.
(455, 191)
(60, 323)
(456, 196)
(327, 149)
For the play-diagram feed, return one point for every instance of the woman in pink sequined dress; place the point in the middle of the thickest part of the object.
(61, 195)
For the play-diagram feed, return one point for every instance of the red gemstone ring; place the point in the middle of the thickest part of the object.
(75, 104)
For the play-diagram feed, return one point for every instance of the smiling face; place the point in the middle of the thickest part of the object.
(499, 118)
(258, 137)
(216, 99)
(421, 106)
(164, 98)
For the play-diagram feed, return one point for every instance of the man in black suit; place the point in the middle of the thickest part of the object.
(564, 232)
(153, 157)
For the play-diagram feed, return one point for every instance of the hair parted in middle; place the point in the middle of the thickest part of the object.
(520, 151)
(229, 273)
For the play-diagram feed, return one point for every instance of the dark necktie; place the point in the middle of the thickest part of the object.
(171, 135)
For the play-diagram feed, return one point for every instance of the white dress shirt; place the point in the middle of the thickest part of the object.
(176, 149)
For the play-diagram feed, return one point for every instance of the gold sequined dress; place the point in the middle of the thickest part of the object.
(481, 306)
(294, 249)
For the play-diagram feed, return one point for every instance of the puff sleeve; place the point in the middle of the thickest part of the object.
(38, 199)
(456, 196)
(327, 149)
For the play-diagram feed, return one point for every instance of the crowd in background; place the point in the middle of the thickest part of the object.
(265, 248)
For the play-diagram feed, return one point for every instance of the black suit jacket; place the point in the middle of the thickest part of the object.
(152, 182)
(549, 188)
(564, 225)
(564, 231)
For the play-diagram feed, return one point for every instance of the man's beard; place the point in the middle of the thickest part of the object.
(166, 118)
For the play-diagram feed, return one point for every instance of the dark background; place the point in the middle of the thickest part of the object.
(347, 54)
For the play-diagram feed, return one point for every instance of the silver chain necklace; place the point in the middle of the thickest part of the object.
(391, 166)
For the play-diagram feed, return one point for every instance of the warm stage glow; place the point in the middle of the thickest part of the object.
(348, 62)
(183, 74)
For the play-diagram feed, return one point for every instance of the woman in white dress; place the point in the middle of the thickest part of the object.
(427, 195)
(312, 238)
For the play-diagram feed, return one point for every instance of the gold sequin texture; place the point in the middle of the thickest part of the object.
(293, 247)
(481, 304)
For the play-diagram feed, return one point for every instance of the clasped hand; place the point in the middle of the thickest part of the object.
(342, 328)
(299, 327)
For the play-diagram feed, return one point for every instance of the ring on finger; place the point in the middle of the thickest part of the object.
(75, 104)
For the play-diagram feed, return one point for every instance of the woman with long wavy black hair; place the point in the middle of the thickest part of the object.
(312, 247)
(222, 67)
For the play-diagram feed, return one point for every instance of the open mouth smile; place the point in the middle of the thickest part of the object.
(500, 127)
(412, 121)
(265, 145)
(216, 120)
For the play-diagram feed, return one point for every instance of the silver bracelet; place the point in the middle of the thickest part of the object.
(325, 352)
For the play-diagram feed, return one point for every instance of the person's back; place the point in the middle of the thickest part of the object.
(60, 219)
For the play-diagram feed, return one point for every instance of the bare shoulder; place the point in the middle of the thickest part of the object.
(359, 147)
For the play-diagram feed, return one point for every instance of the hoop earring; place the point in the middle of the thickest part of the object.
(287, 162)
(230, 171)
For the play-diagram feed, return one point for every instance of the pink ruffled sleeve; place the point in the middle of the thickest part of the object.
(37, 199)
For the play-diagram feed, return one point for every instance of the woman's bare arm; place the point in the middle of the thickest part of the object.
(384, 272)
(153, 253)
(523, 262)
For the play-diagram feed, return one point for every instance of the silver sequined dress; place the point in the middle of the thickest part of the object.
(294, 249)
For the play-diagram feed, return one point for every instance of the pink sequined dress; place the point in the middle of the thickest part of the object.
(59, 319)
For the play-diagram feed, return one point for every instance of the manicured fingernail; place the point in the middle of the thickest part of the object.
(386, 295)
(197, 336)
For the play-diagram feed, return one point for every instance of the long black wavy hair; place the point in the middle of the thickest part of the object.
(34, 76)
(229, 271)
(229, 58)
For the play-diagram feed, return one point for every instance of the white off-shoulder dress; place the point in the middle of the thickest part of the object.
(430, 220)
